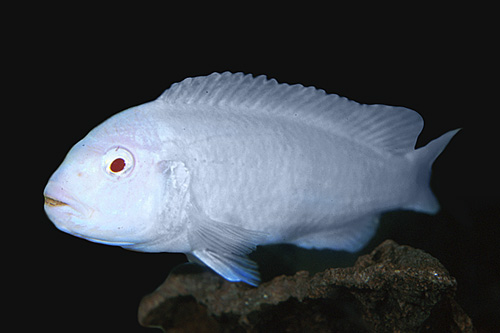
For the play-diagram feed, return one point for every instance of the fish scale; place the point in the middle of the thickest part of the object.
(220, 164)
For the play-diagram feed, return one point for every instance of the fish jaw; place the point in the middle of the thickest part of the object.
(71, 215)
(66, 212)
(57, 199)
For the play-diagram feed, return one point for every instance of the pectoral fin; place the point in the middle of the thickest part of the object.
(224, 247)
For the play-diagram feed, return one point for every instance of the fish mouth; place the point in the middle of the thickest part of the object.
(49, 201)
(58, 201)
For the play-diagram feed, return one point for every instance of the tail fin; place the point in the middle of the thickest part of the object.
(423, 158)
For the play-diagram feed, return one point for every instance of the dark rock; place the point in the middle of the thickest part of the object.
(394, 288)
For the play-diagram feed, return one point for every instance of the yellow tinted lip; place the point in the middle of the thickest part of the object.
(53, 202)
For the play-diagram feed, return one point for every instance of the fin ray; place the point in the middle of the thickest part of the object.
(386, 128)
(224, 248)
(423, 158)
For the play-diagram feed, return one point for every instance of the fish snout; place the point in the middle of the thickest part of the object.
(59, 201)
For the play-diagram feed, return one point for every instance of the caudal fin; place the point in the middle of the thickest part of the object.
(424, 200)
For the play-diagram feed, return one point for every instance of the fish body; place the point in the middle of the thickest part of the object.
(220, 164)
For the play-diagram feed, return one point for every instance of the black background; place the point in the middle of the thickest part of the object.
(71, 72)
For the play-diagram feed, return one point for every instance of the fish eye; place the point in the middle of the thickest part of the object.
(118, 161)
(117, 165)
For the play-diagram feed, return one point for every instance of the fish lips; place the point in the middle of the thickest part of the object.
(69, 214)
(60, 205)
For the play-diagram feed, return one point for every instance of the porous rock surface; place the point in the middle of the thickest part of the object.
(393, 289)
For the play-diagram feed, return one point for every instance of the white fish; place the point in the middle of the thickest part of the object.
(220, 164)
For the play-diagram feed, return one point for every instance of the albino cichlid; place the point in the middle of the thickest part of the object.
(220, 164)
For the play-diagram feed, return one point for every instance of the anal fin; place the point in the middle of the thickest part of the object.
(351, 236)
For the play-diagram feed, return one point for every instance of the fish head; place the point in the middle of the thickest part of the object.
(107, 190)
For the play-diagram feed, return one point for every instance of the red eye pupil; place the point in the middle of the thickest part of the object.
(117, 165)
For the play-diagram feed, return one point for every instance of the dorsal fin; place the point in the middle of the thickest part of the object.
(385, 128)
